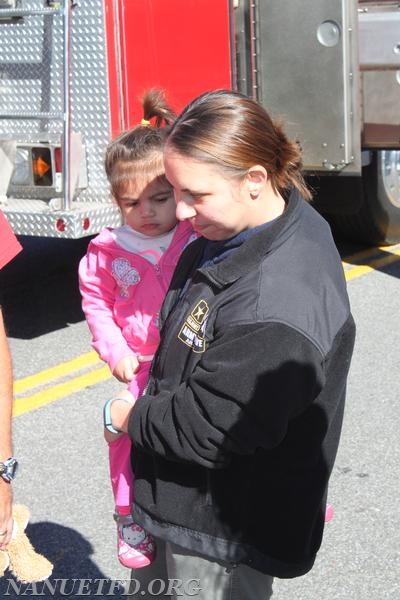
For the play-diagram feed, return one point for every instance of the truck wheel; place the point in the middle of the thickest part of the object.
(368, 207)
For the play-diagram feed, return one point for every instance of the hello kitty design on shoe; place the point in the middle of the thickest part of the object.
(136, 547)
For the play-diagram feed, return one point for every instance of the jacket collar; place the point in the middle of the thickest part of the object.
(257, 246)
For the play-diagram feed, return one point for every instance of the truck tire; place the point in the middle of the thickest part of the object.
(364, 209)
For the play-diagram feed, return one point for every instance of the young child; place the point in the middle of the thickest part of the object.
(123, 279)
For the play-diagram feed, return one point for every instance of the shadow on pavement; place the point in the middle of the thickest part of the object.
(39, 288)
(75, 575)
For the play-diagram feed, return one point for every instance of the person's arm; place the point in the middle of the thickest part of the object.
(9, 248)
(6, 400)
(97, 287)
(240, 397)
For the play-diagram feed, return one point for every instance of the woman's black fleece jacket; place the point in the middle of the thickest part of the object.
(235, 437)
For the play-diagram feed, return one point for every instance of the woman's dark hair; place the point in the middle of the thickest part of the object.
(139, 150)
(232, 131)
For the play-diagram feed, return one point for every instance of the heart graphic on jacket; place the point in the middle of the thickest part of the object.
(124, 274)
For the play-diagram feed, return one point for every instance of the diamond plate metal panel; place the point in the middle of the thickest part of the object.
(31, 80)
(22, 40)
(90, 99)
(30, 71)
(34, 217)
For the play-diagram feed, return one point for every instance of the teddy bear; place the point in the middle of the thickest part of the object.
(20, 557)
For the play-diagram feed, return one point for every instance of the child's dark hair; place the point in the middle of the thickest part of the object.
(232, 131)
(139, 150)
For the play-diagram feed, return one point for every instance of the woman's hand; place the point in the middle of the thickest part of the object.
(119, 410)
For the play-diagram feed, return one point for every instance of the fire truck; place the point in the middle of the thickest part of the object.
(73, 73)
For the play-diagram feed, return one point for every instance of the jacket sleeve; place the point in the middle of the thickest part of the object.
(98, 289)
(240, 397)
(9, 245)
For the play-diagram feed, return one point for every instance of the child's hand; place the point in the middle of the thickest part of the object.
(126, 368)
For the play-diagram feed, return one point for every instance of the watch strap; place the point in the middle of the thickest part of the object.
(8, 469)
(107, 415)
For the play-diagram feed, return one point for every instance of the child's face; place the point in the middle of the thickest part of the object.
(148, 206)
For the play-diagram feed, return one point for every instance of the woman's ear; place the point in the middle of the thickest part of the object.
(256, 180)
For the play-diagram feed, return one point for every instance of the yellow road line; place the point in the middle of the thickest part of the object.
(392, 254)
(62, 370)
(100, 372)
(29, 403)
(370, 252)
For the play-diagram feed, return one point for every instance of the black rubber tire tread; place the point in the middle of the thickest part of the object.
(375, 220)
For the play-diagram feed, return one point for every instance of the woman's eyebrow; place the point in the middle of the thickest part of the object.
(193, 192)
(188, 190)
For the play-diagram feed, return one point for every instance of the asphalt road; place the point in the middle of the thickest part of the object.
(58, 437)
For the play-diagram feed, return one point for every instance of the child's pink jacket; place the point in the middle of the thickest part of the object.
(122, 294)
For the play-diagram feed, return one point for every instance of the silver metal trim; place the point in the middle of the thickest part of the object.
(34, 115)
(67, 127)
(27, 12)
(390, 171)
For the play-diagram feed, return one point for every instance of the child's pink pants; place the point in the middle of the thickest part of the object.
(120, 453)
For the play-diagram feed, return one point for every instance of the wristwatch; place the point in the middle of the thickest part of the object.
(107, 414)
(8, 469)
(107, 417)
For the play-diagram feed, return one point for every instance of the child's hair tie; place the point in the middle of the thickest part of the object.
(145, 122)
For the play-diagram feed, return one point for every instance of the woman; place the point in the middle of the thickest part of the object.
(236, 436)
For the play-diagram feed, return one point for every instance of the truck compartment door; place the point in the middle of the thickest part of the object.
(307, 67)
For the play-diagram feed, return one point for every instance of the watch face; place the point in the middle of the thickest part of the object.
(8, 469)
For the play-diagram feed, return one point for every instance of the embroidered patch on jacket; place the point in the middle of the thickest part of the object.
(192, 331)
(124, 274)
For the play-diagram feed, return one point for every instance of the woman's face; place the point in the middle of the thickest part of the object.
(216, 206)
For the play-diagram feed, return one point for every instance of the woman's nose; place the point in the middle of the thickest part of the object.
(184, 210)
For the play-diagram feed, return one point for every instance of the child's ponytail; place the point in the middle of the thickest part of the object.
(139, 150)
(156, 107)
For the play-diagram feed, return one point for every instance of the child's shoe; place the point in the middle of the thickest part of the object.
(136, 548)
